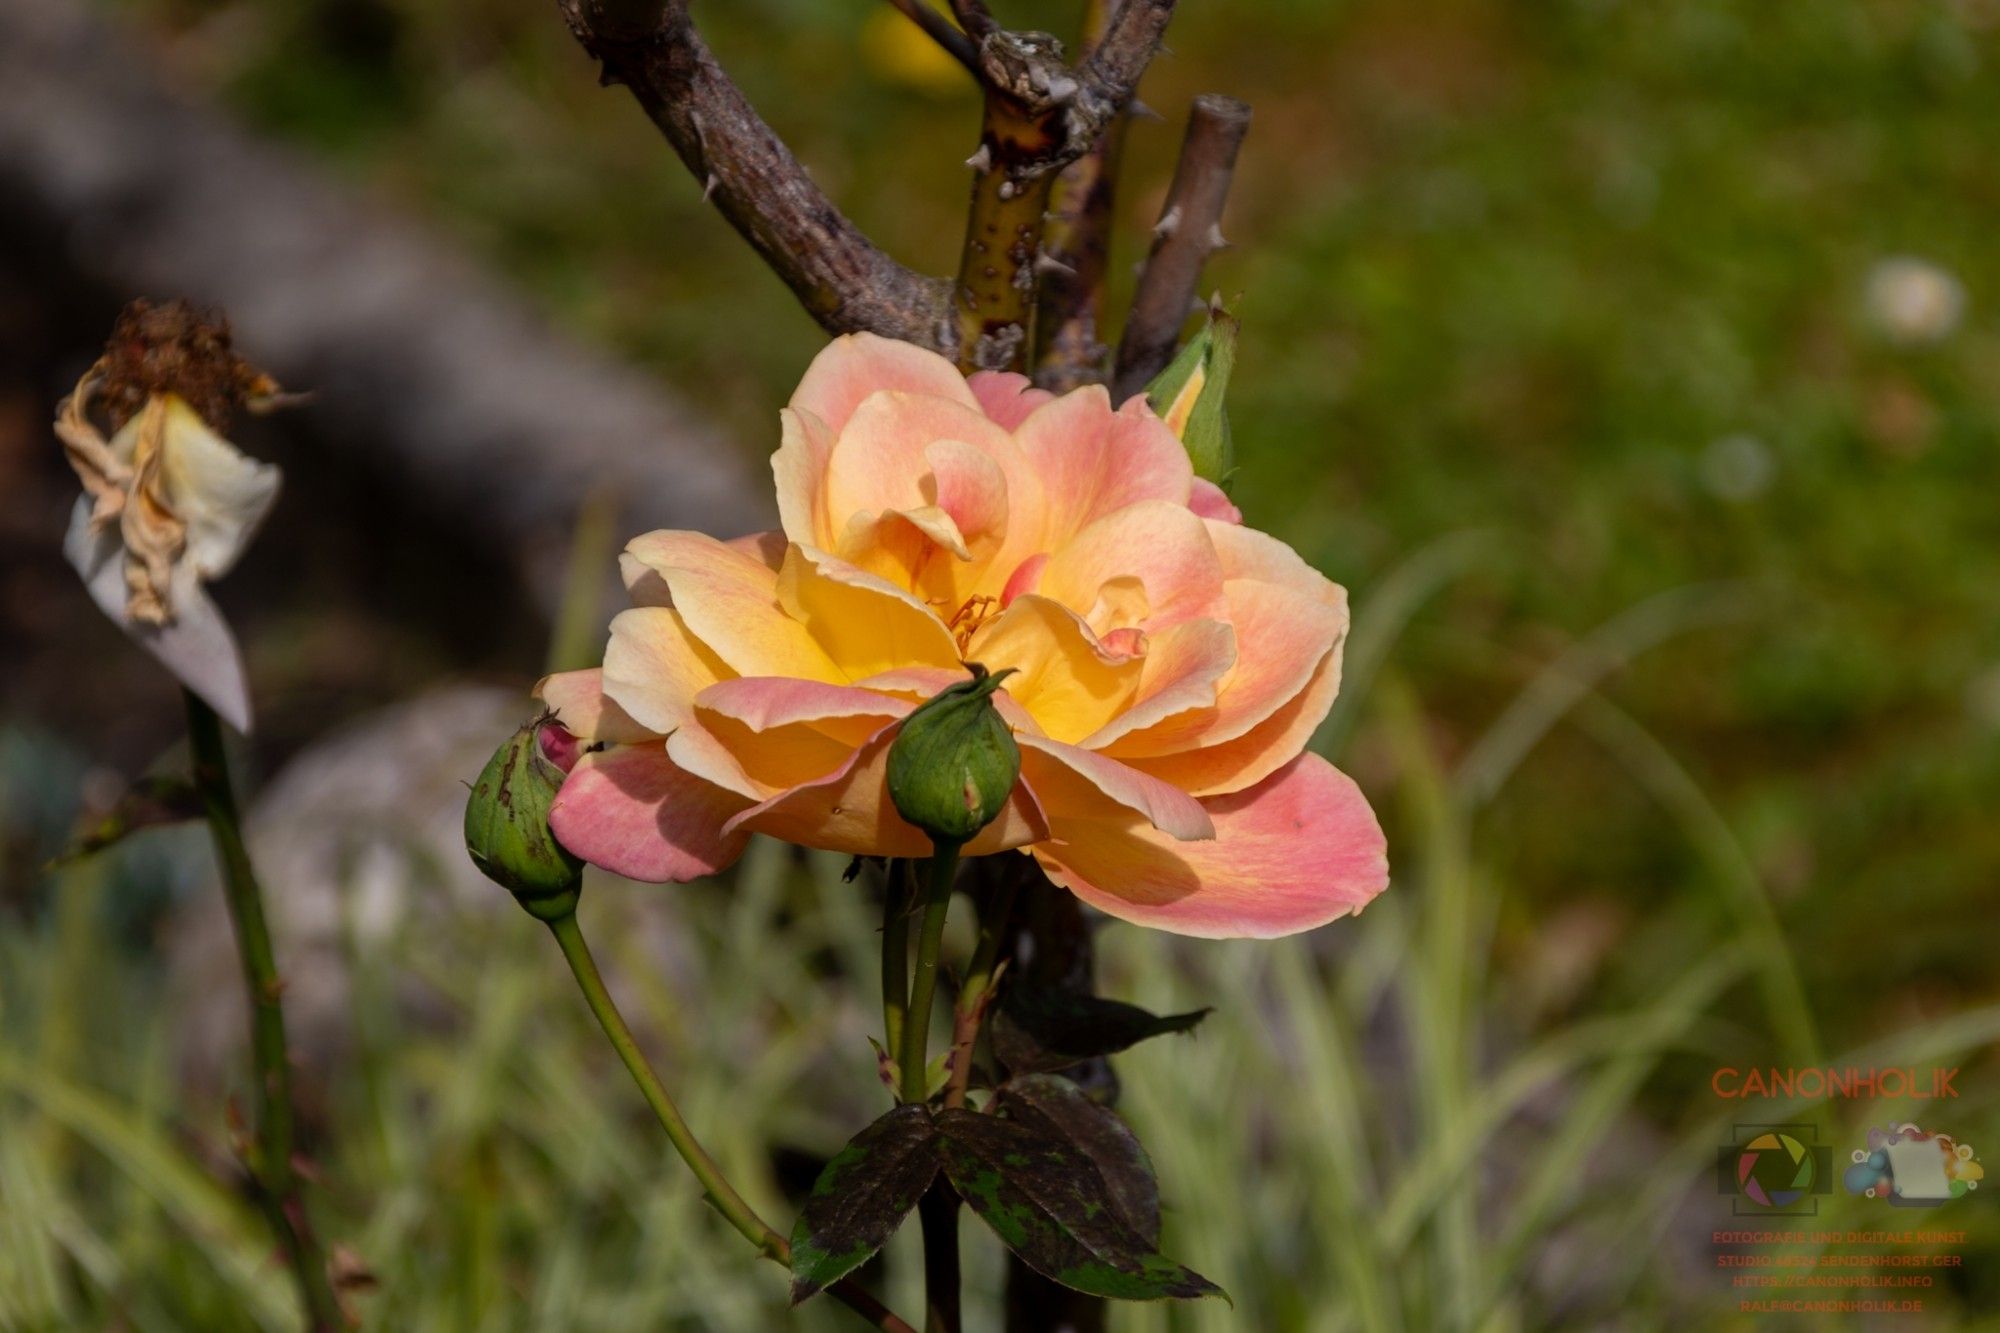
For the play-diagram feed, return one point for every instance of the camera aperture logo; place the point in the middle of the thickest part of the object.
(1774, 1170)
(1909, 1168)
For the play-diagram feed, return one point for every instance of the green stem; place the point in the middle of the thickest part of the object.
(912, 1055)
(721, 1194)
(895, 956)
(270, 1153)
(938, 1212)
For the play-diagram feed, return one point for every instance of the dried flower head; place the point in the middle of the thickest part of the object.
(168, 503)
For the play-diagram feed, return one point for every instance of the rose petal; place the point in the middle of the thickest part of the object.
(879, 462)
(1006, 397)
(759, 736)
(631, 810)
(1074, 783)
(1232, 765)
(1092, 461)
(196, 645)
(863, 624)
(1066, 679)
(1283, 636)
(1208, 500)
(653, 668)
(1298, 850)
(1183, 668)
(855, 365)
(1164, 545)
(728, 599)
(919, 683)
(849, 811)
(576, 698)
(220, 493)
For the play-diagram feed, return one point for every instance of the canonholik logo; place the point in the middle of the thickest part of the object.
(1774, 1170)
(1905, 1166)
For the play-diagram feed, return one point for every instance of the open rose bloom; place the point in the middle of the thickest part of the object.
(1170, 664)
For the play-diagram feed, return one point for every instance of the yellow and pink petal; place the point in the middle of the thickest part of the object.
(1296, 851)
(633, 811)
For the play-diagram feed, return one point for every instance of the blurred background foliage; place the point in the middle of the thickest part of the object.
(1637, 367)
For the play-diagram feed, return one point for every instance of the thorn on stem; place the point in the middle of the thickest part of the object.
(708, 186)
(1169, 224)
(981, 161)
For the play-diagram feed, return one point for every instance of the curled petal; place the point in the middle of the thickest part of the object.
(863, 624)
(760, 736)
(879, 462)
(1296, 851)
(1213, 770)
(1006, 397)
(1283, 636)
(1209, 501)
(1183, 670)
(1075, 783)
(633, 811)
(728, 599)
(1163, 545)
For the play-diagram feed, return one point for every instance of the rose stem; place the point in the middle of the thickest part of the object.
(895, 955)
(723, 1195)
(938, 1212)
(270, 1156)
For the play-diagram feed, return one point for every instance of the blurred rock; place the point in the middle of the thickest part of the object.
(357, 837)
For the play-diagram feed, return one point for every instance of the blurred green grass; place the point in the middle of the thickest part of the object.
(1559, 352)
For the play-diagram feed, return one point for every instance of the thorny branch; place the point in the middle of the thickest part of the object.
(841, 278)
(1076, 250)
(1041, 115)
(1188, 232)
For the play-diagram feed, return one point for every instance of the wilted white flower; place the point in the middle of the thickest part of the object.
(168, 504)
(1914, 300)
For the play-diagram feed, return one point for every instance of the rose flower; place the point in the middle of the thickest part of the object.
(1169, 665)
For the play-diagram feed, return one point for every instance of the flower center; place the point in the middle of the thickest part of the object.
(971, 614)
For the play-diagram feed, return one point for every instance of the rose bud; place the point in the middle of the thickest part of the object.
(507, 820)
(954, 761)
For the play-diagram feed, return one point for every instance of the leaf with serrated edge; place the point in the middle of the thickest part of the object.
(1057, 1107)
(1039, 1029)
(861, 1197)
(1048, 1204)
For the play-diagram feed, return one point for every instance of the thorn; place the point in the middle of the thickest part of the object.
(1197, 306)
(1139, 110)
(1046, 263)
(708, 186)
(1169, 224)
(1216, 240)
(981, 161)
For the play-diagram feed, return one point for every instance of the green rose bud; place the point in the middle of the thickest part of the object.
(507, 820)
(1189, 393)
(954, 761)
